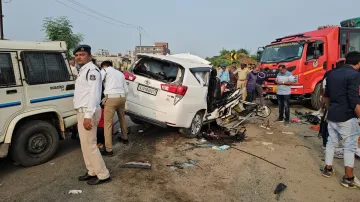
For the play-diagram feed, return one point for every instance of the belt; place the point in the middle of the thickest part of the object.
(241, 79)
(116, 95)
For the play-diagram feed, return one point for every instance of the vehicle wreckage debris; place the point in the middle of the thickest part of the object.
(288, 133)
(258, 157)
(221, 148)
(279, 189)
(141, 165)
(182, 165)
(75, 192)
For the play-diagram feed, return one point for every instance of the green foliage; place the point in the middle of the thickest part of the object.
(243, 51)
(224, 57)
(60, 29)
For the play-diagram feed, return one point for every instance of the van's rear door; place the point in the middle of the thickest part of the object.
(149, 88)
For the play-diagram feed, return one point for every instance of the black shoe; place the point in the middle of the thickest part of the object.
(96, 181)
(124, 141)
(280, 120)
(106, 153)
(86, 177)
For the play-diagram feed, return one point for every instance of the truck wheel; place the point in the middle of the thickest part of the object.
(136, 121)
(34, 143)
(315, 97)
(195, 127)
(274, 101)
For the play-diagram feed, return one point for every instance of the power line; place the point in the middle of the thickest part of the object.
(110, 18)
(105, 16)
(89, 14)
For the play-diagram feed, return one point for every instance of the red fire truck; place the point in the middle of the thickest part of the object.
(308, 56)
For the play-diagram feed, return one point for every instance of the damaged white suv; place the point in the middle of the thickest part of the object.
(168, 91)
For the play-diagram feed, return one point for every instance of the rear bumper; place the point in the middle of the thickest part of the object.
(146, 119)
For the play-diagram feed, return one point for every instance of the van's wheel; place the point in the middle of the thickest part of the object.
(136, 121)
(34, 143)
(315, 97)
(195, 127)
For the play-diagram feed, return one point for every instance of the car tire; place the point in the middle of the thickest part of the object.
(274, 101)
(315, 97)
(195, 127)
(34, 143)
(136, 121)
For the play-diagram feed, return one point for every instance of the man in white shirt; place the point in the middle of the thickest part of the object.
(87, 97)
(73, 68)
(115, 97)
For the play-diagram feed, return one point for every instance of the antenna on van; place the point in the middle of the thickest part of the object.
(1, 22)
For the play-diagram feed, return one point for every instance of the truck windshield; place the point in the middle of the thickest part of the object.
(282, 52)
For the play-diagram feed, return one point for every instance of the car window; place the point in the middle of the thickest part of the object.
(43, 68)
(159, 70)
(7, 77)
(311, 50)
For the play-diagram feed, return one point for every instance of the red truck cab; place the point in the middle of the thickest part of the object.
(308, 56)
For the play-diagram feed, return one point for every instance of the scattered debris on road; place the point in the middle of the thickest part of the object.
(221, 148)
(75, 192)
(259, 157)
(302, 146)
(269, 133)
(288, 133)
(1, 184)
(142, 165)
(267, 143)
(279, 189)
(182, 165)
(52, 164)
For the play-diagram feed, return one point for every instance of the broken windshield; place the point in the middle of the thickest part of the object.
(282, 52)
(159, 70)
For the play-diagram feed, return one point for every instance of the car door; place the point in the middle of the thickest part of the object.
(314, 65)
(48, 81)
(11, 90)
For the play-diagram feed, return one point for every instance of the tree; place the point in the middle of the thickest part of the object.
(60, 29)
(244, 51)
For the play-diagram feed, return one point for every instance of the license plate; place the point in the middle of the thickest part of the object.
(146, 89)
(273, 97)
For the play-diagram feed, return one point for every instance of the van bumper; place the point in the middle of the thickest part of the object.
(146, 119)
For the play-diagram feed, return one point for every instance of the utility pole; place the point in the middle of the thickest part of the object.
(140, 37)
(1, 22)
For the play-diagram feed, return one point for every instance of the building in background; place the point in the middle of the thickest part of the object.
(119, 61)
(159, 48)
(102, 52)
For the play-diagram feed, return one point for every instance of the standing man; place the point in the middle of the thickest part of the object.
(284, 80)
(73, 68)
(223, 74)
(250, 84)
(241, 76)
(232, 74)
(343, 101)
(87, 104)
(261, 78)
(114, 101)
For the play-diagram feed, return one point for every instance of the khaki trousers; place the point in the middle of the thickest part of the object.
(93, 160)
(113, 105)
(240, 85)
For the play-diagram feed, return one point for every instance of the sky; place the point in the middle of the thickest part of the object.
(201, 27)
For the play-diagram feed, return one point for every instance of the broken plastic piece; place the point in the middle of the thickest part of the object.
(279, 189)
(137, 165)
(75, 192)
(288, 133)
(267, 143)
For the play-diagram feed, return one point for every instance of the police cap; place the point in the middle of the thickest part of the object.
(85, 48)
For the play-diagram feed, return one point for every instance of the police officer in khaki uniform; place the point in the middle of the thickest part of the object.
(87, 104)
(115, 97)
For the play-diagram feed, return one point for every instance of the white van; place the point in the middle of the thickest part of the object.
(36, 92)
(168, 91)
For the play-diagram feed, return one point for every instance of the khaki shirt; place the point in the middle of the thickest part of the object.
(241, 73)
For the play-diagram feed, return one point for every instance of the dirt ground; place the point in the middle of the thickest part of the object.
(228, 175)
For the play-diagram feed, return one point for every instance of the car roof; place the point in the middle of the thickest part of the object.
(187, 61)
(33, 45)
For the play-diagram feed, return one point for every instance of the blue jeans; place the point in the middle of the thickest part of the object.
(283, 101)
(349, 131)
